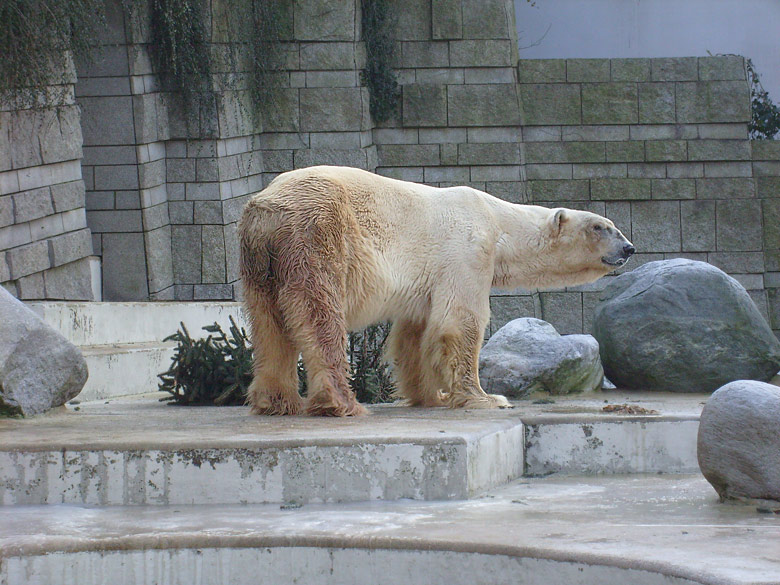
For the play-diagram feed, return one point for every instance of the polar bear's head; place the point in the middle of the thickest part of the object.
(587, 242)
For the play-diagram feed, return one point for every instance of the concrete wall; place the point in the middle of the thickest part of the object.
(658, 145)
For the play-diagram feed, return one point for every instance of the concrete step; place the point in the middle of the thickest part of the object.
(141, 451)
(638, 530)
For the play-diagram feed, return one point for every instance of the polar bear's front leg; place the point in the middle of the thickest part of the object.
(415, 384)
(451, 347)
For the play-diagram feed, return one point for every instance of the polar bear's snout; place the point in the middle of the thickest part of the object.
(623, 250)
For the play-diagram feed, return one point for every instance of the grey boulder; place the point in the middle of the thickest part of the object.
(682, 326)
(39, 368)
(527, 355)
(739, 441)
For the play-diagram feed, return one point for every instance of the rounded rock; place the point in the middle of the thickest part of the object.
(682, 326)
(738, 446)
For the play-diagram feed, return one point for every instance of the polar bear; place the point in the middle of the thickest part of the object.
(325, 250)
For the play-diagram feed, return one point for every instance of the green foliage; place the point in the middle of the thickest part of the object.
(35, 37)
(180, 51)
(218, 369)
(215, 370)
(765, 115)
(378, 76)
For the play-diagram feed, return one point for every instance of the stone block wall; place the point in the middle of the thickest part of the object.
(45, 244)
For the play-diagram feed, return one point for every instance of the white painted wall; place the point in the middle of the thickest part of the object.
(654, 28)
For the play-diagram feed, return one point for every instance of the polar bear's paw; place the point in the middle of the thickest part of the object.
(277, 405)
(481, 402)
(326, 404)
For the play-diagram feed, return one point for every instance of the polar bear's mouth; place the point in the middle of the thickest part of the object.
(619, 261)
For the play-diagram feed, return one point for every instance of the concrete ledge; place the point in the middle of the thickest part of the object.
(121, 370)
(643, 530)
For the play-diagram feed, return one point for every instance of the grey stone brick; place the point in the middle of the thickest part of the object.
(728, 169)
(502, 153)
(589, 302)
(765, 150)
(698, 225)
(327, 156)
(558, 191)
(75, 219)
(46, 227)
(186, 254)
(324, 20)
(213, 247)
(448, 153)
(332, 78)
(609, 103)
(442, 135)
(542, 71)
(124, 267)
(655, 226)
(327, 56)
(664, 132)
(491, 135)
(630, 151)
(617, 189)
(620, 214)
(673, 188)
(548, 171)
(206, 169)
(674, 69)
(151, 174)
(713, 101)
(28, 259)
(437, 76)
(231, 252)
(512, 191)
(25, 126)
(424, 105)
(482, 105)
(739, 225)
(208, 212)
(15, 235)
(123, 177)
(505, 308)
(32, 204)
(212, 292)
(6, 210)
(281, 113)
(481, 53)
(31, 287)
(728, 150)
(183, 292)
(727, 188)
(656, 103)
(181, 212)
(446, 19)
(232, 208)
(59, 135)
(408, 155)
(127, 199)
(595, 133)
(630, 69)
(331, 109)
(646, 170)
(424, 54)
(723, 131)
(396, 135)
(336, 140)
(67, 196)
(684, 170)
(542, 133)
(414, 174)
(563, 310)
(482, 75)
(599, 171)
(5, 271)
(5, 141)
(487, 19)
(766, 169)
(771, 213)
(282, 140)
(202, 191)
(556, 152)
(114, 221)
(666, 150)
(723, 68)
(737, 262)
(277, 160)
(589, 70)
(155, 217)
(767, 187)
(413, 19)
(70, 247)
(548, 104)
(459, 175)
(495, 173)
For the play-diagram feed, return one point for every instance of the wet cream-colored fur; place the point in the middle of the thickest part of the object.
(327, 250)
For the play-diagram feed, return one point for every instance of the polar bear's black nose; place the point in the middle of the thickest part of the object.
(628, 250)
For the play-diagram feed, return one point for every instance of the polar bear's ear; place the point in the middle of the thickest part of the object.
(557, 220)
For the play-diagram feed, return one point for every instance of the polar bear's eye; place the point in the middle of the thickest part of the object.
(598, 227)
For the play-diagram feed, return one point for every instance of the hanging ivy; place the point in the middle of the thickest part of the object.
(36, 39)
(378, 76)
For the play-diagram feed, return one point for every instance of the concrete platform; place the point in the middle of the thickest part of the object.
(638, 530)
(137, 450)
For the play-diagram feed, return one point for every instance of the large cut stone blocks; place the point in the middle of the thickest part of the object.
(483, 105)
